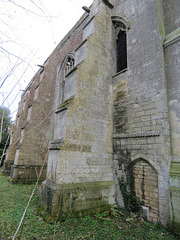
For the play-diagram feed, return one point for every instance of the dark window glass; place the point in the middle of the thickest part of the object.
(121, 51)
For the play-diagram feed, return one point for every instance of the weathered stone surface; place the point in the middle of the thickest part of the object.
(85, 154)
(76, 199)
(141, 98)
(26, 173)
(97, 124)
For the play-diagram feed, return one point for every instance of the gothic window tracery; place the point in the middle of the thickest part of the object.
(67, 67)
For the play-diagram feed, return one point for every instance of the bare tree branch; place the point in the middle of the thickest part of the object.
(10, 73)
(9, 55)
(15, 84)
(27, 10)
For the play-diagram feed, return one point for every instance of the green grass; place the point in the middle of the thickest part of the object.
(39, 225)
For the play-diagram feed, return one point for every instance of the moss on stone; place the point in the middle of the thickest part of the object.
(160, 21)
(172, 36)
(76, 147)
(89, 184)
(175, 168)
(65, 103)
(75, 199)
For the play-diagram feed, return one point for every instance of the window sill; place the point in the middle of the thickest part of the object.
(75, 68)
(55, 145)
(64, 105)
(124, 70)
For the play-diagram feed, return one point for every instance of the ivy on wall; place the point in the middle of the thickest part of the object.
(131, 202)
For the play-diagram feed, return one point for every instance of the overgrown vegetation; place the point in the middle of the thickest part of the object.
(132, 204)
(114, 224)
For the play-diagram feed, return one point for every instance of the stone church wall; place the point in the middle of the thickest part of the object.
(32, 128)
(81, 156)
(94, 125)
(141, 125)
(172, 62)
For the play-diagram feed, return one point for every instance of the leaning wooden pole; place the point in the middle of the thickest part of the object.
(24, 214)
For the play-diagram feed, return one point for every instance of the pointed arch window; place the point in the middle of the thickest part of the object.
(36, 90)
(121, 51)
(121, 25)
(67, 67)
(29, 113)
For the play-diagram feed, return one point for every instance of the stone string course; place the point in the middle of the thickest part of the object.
(94, 124)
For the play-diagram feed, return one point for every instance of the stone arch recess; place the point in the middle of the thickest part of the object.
(146, 186)
(148, 160)
(121, 22)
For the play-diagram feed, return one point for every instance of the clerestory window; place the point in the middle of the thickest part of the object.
(29, 113)
(67, 67)
(121, 25)
(36, 90)
(121, 51)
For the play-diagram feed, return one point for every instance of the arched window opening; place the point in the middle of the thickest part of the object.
(69, 65)
(121, 25)
(121, 51)
(67, 68)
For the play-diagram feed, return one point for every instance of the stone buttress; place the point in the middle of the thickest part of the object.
(80, 171)
(103, 107)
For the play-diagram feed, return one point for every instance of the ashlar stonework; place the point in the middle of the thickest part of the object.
(105, 104)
